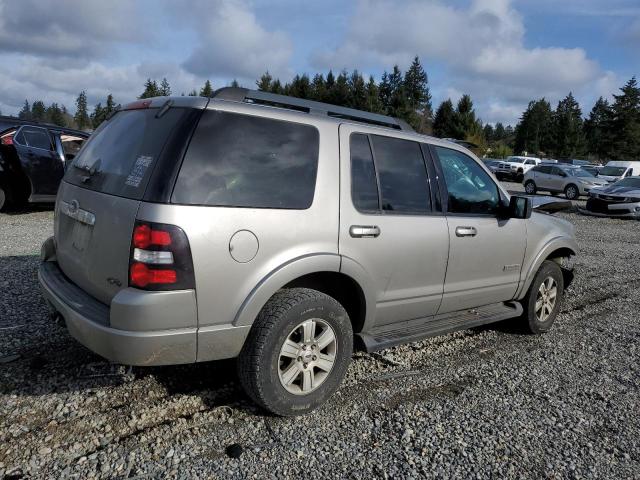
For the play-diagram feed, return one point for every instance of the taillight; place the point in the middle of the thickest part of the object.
(160, 258)
(7, 140)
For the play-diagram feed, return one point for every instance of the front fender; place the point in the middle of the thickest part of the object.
(280, 276)
(555, 243)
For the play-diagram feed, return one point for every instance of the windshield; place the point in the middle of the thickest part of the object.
(613, 171)
(579, 172)
(120, 155)
(628, 182)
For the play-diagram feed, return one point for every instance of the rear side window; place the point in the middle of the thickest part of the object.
(404, 184)
(119, 157)
(239, 160)
(35, 137)
(543, 169)
(364, 187)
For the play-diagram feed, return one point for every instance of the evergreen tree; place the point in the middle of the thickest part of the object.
(82, 115)
(150, 89)
(110, 106)
(373, 96)
(165, 89)
(338, 94)
(318, 88)
(418, 98)
(234, 83)
(206, 90)
(499, 132)
(489, 133)
(444, 121)
(38, 111)
(357, 91)
(97, 116)
(385, 91)
(25, 113)
(625, 123)
(597, 129)
(54, 115)
(569, 140)
(330, 86)
(534, 132)
(300, 87)
(276, 87)
(193, 93)
(264, 83)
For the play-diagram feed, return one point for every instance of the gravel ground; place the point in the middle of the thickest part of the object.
(482, 403)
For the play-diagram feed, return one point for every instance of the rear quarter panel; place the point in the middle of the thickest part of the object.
(291, 242)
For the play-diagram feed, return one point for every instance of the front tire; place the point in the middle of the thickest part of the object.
(297, 352)
(530, 187)
(3, 198)
(544, 297)
(571, 192)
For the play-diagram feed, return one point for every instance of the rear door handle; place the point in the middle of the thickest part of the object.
(364, 231)
(466, 231)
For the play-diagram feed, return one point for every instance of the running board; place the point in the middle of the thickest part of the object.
(387, 336)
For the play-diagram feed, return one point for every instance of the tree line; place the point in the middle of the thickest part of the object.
(611, 131)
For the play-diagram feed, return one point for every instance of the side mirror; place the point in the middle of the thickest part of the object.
(520, 207)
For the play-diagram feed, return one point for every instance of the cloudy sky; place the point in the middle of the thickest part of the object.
(502, 52)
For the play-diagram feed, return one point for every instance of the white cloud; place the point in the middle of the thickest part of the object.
(232, 43)
(480, 46)
(77, 28)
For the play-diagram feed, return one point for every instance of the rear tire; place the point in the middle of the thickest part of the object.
(3, 198)
(571, 192)
(530, 187)
(543, 299)
(285, 366)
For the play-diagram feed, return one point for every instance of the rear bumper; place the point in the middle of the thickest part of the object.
(88, 321)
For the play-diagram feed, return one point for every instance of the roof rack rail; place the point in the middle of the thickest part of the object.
(238, 94)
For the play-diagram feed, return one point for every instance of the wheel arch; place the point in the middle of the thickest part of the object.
(559, 250)
(320, 272)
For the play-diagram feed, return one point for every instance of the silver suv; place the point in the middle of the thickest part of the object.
(282, 231)
(571, 180)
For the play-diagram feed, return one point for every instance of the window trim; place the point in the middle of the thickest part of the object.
(444, 191)
(19, 130)
(435, 207)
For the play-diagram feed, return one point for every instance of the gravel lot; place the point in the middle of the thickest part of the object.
(482, 403)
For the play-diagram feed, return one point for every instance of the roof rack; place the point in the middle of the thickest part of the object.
(237, 94)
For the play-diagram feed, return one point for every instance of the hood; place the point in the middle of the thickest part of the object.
(549, 205)
(620, 190)
(609, 178)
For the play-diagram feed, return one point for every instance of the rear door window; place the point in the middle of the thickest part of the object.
(35, 138)
(237, 160)
(364, 187)
(404, 183)
(119, 157)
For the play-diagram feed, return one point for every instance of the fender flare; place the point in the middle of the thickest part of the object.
(280, 276)
(351, 268)
(552, 245)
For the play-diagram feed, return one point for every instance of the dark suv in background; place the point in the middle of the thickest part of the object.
(33, 159)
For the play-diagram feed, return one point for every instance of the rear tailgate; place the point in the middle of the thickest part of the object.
(99, 198)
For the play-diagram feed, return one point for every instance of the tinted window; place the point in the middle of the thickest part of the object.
(364, 188)
(36, 138)
(470, 188)
(403, 177)
(244, 161)
(123, 150)
(543, 169)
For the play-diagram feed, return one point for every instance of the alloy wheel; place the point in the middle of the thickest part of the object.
(546, 299)
(307, 356)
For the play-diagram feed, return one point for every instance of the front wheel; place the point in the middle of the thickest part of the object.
(3, 198)
(542, 302)
(297, 352)
(571, 192)
(530, 187)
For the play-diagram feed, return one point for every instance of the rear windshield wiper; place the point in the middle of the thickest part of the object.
(90, 170)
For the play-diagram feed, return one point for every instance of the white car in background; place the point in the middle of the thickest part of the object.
(515, 167)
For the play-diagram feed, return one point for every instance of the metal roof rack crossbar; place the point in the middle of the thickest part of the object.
(312, 107)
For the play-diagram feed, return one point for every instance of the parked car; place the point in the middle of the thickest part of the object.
(33, 158)
(561, 178)
(492, 164)
(514, 167)
(592, 169)
(617, 169)
(620, 199)
(276, 229)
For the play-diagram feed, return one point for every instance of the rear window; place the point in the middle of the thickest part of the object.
(119, 157)
(239, 160)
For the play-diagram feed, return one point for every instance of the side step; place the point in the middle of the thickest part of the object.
(413, 330)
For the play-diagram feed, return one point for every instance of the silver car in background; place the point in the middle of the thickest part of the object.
(571, 180)
(620, 199)
(281, 231)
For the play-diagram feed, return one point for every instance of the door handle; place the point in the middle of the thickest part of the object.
(466, 231)
(364, 231)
